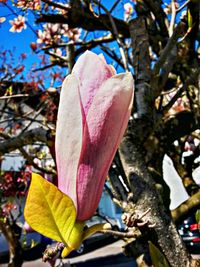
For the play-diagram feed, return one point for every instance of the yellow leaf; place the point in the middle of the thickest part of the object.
(75, 239)
(49, 211)
(190, 22)
(66, 251)
(78, 235)
(95, 228)
(157, 257)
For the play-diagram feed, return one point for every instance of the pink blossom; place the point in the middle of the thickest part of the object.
(45, 36)
(52, 33)
(30, 4)
(94, 110)
(128, 10)
(8, 207)
(71, 33)
(18, 24)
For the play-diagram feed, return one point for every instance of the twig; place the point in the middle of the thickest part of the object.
(121, 234)
(29, 25)
(180, 90)
(112, 55)
(41, 107)
(52, 251)
(30, 161)
(58, 5)
(14, 96)
(114, 6)
(169, 46)
(17, 117)
(56, 56)
(45, 67)
(70, 57)
(27, 138)
(184, 5)
(29, 158)
(161, 19)
(122, 49)
(191, 204)
(94, 42)
(173, 18)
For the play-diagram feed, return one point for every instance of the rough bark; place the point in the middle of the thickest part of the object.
(144, 193)
(145, 196)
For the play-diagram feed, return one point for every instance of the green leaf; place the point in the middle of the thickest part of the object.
(157, 257)
(49, 211)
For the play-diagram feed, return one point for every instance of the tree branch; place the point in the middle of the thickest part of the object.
(181, 89)
(187, 207)
(141, 64)
(167, 58)
(79, 16)
(57, 5)
(14, 96)
(26, 138)
(187, 180)
(155, 7)
(179, 125)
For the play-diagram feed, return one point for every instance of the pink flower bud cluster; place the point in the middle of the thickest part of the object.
(14, 184)
(53, 33)
(29, 4)
(8, 207)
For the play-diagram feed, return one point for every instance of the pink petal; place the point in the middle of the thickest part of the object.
(68, 136)
(106, 122)
(92, 71)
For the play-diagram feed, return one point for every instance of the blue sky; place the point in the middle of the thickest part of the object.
(21, 41)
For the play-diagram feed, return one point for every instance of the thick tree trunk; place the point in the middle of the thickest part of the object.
(145, 196)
